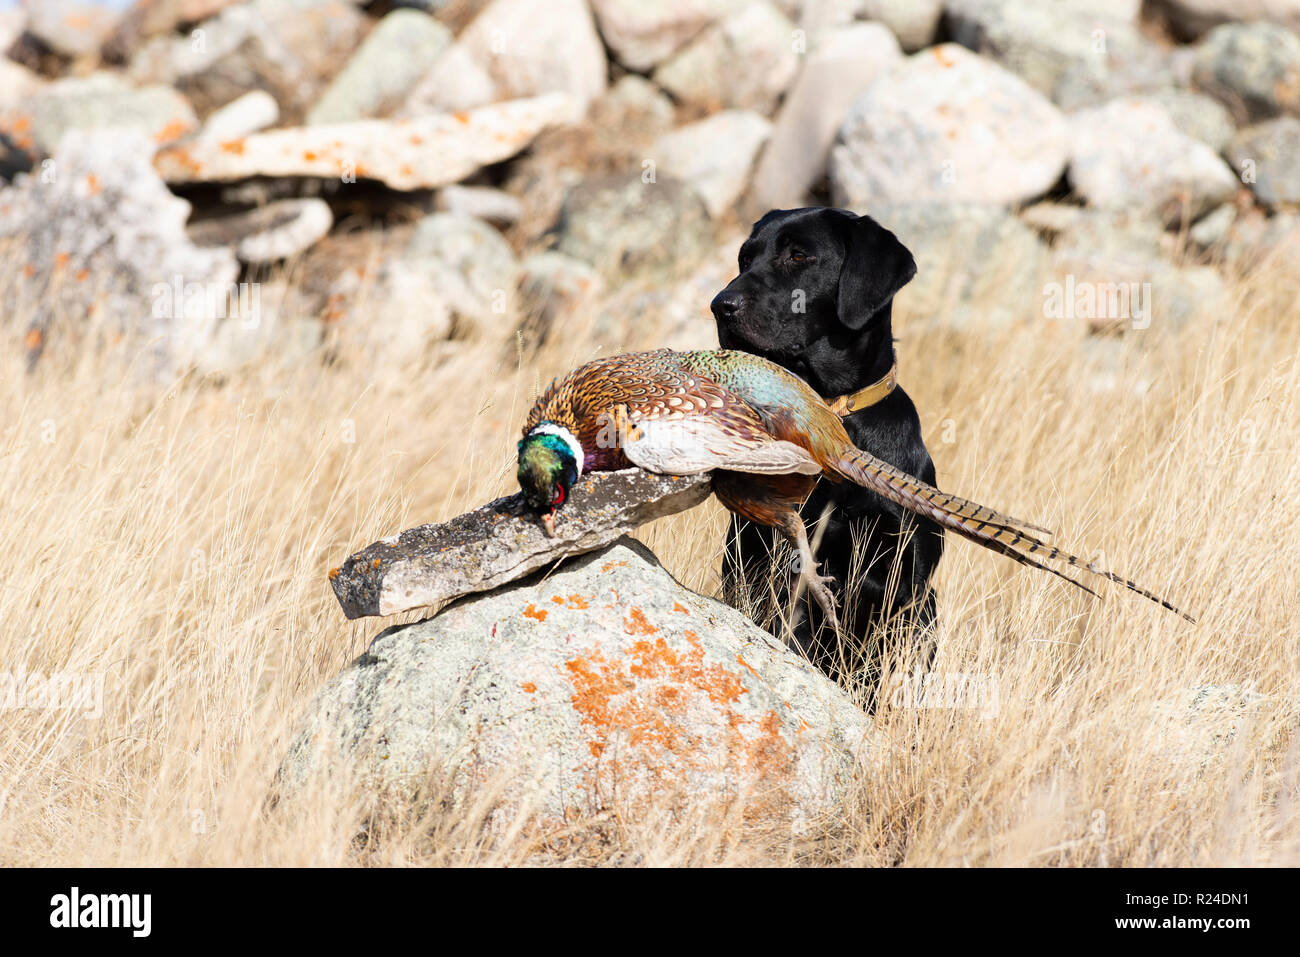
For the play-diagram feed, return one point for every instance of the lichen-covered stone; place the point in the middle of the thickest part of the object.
(407, 154)
(103, 252)
(602, 687)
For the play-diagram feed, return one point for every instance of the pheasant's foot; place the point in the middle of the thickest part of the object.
(817, 587)
(814, 582)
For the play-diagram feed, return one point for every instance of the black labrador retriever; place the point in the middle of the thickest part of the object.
(814, 294)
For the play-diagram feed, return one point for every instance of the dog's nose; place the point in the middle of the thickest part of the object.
(726, 304)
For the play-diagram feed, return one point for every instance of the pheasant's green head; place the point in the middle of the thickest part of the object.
(550, 461)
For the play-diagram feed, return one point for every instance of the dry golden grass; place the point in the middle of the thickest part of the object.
(177, 547)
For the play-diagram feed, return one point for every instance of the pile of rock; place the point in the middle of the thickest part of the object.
(580, 149)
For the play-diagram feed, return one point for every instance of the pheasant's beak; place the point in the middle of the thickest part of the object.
(548, 523)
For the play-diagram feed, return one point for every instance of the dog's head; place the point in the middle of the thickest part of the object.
(806, 274)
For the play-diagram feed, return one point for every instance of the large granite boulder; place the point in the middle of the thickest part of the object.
(603, 686)
(948, 126)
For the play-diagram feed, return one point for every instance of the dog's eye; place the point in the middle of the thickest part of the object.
(744, 263)
(799, 256)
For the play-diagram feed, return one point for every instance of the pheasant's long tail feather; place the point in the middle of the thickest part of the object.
(974, 521)
(955, 504)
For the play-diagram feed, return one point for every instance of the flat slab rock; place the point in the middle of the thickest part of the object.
(501, 542)
(419, 152)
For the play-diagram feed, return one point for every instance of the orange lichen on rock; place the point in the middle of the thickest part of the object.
(532, 611)
(745, 664)
(174, 130)
(529, 687)
(678, 606)
(574, 601)
(635, 708)
(611, 565)
(636, 623)
(181, 157)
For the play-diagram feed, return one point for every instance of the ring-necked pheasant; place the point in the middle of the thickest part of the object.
(764, 434)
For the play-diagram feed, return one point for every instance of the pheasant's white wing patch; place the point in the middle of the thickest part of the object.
(699, 443)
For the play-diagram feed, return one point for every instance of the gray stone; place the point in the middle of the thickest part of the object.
(1114, 265)
(414, 153)
(913, 22)
(104, 101)
(706, 71)
(1271, 152)
(1189, 19)
(956, 286)
(225, 57)
(143, 21)
(642, 34)
(840, 65)
(104, 253)
(681, 307)
(471, 265)
(289, 48)
(517, 48)
(270, 335)
(1212, 228)
(554, 288)
(401, 48)
(1252, 68)
(401, 314)
(269, 233)
(605, 687)
(481, 202)
(637, 98)
(948, 126)
(1130, 155)
(70, 27)
(243, 115)
(501, 542)
(1199, 116)
(714, 155)
(1100, 238)
(620, 223)
(1256, 241)
(1097, 80)
(456, 81)
(1069, 51)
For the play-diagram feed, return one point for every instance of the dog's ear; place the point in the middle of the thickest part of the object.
(876, 265)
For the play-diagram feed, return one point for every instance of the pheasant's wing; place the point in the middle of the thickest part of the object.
(702, 443)
(681, 424)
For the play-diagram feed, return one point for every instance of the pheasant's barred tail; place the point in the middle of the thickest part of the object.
(998, 532)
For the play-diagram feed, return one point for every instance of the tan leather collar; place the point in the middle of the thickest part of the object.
(876, 392)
